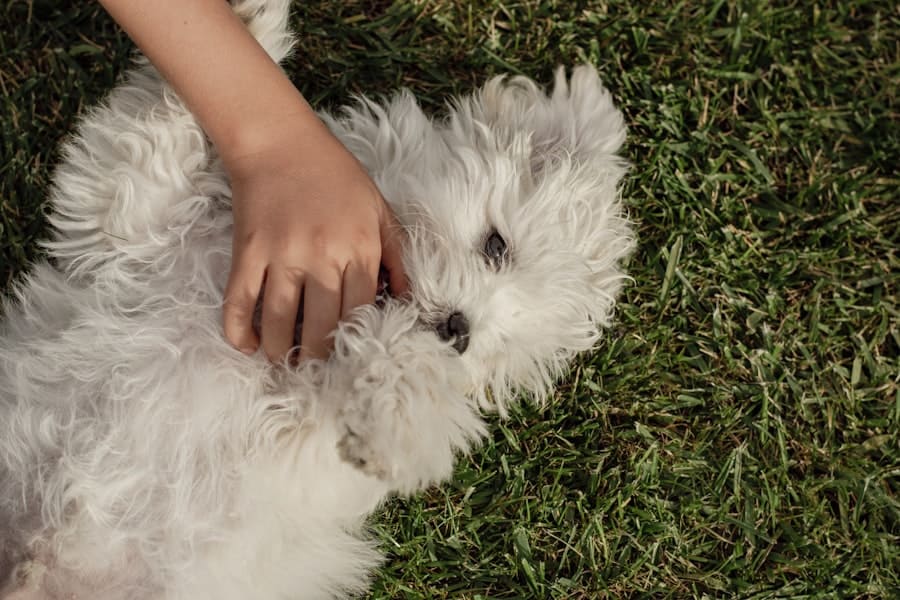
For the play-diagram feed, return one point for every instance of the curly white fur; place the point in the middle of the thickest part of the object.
(142, 457)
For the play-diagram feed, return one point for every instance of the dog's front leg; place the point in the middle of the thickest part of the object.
(405, 414)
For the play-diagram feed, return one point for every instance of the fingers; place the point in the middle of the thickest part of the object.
(326, 299)
(244, 284)
(281, 302)
(392, 240)
(360, 286)
(321, 311)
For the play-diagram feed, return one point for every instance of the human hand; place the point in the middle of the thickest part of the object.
(308, 223)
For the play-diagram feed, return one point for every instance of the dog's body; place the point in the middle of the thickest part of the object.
(143, 457)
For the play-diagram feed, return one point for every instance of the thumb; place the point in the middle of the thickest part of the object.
(393, 238)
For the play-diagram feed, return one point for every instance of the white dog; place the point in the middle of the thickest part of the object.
(143, 457)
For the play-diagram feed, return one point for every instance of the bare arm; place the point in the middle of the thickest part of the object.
(307, 216)
(209, 57)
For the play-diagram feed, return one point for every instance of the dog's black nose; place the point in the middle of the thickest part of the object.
(455, 328)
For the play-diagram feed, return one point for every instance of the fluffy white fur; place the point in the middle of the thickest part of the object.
(142, 457)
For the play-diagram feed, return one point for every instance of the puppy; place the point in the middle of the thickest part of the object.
(143, 457)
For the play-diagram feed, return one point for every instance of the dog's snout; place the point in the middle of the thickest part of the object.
(455, 328)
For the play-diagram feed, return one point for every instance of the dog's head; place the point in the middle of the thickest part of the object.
(516, 232)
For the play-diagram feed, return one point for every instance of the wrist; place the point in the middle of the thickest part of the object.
(272, 128)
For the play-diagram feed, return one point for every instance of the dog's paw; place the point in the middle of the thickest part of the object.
(403, 413)
(366, 427)
(24, 581)
(355, 450)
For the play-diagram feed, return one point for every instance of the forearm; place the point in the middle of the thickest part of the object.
(221, 72)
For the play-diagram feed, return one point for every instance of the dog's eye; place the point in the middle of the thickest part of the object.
(495, 249)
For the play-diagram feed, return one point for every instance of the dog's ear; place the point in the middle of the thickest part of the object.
(577, 121)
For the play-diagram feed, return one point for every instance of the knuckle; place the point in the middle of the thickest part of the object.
(281, 309)
(248, 246)
(320, 240)
(366, 237)
(339, 247)
(278, 307)
(237, 307)
(367, 249)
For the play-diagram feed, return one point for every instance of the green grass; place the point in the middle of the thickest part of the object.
(736, 435)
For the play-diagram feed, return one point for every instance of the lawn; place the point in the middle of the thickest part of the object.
(736, 433)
